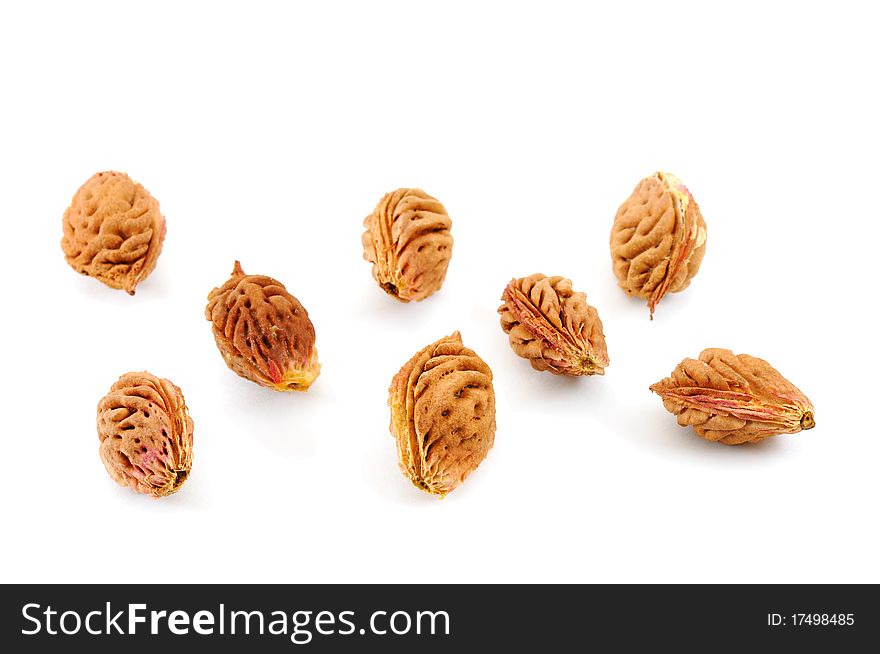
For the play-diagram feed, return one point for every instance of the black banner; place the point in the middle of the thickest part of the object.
(392, 618)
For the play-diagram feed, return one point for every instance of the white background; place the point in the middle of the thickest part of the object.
(267, 131)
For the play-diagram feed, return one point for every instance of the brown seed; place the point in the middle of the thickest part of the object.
(146, 434)
(442, 415)
(263, 332)
(734, 399)
(553, 327)
(658, 239)
(407, 239)
(113, 231)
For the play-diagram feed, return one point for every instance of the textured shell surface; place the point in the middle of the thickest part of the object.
(113, 231)
(146, 434)
(734, 398)
(658, 239)
(442, 415)
(408, 241)
(263, 332)
(553, 327)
